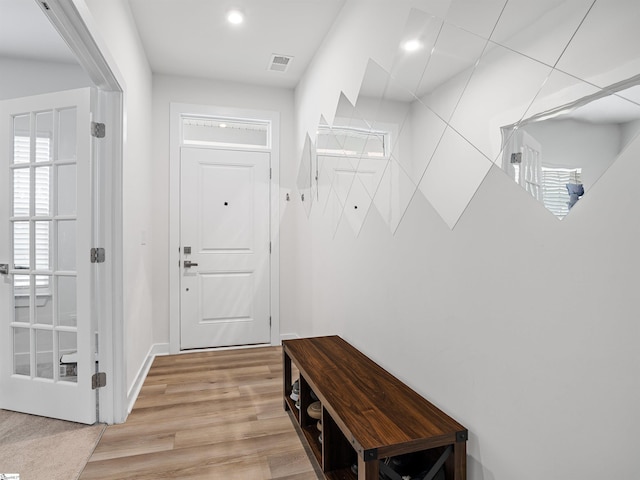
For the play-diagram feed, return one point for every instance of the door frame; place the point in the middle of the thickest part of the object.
(74, 22)
(177, 111)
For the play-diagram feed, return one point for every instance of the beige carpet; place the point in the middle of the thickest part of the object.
(40, 448)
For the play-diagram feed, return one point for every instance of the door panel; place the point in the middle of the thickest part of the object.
(236, 305)
(47, 344)
(225, 226)
(227, 194)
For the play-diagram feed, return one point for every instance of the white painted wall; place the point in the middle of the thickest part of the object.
(115, 27)
(520, 326)
(22, 78)
(173, 89)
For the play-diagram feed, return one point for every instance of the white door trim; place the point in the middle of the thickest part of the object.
(76, 26)
(178, 110)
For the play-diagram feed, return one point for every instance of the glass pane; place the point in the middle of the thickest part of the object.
(551, 23)
(67, 245)
(607, 64)
(350, 141)
(223, 131)
(21, 139)
(21, 351)
(21, 245)
(394, 194)
(67, 135)
(419, 37)
(44, 353)
(67, 345)
(506, 102)
(66, 297)
(454, 155)
(21, 298)
(450, 66)
(21, 192)
(44, 300)
(42, 190)
(43, 245)
(67, 190)
(476, 17)
(44, 134)
(570, 135)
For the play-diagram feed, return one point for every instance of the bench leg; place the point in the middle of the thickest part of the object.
(456, 465)
(286, 377)
(368, 470)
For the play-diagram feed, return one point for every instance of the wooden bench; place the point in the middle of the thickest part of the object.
(367, 414)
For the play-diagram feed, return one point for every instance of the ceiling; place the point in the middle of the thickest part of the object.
(192, 37)
(26, 33)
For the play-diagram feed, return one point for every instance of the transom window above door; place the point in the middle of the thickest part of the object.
(225, 132)
(339, 141)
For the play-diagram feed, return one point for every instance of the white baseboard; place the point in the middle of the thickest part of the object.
(134, 391)
(289, 336)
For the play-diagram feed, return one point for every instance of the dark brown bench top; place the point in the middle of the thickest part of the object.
(377, 413)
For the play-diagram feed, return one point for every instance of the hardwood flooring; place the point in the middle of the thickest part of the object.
(207, 415)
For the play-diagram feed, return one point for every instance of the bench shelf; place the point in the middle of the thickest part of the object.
(368, 415)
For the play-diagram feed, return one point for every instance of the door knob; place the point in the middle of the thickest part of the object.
(4, 268)
(189, 264)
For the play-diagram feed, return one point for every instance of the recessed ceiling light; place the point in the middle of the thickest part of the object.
(235, 17)
(412, 45)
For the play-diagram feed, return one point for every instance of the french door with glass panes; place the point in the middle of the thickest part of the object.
(47, 355)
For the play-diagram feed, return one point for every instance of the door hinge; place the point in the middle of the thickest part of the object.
(98, 130)
(98, 380)
(97, 255)
(270, 173)
(269, 248)
(269, 321)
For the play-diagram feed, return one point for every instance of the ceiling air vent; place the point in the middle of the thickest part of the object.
(279, 63)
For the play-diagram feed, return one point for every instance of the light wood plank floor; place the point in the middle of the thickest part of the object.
(206, 415)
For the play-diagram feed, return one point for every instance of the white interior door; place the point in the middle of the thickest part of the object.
(225, 293)
(47, 353)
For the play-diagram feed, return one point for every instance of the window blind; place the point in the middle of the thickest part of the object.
(23, 227)
(554, 186)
